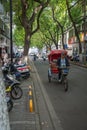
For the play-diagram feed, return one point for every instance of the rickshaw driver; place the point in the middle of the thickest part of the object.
(62, 62)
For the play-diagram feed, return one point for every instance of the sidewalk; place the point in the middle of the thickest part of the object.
(79, 64)
(20, 117)
(43, 116)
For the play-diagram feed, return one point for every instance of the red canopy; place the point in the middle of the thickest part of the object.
(54, 54)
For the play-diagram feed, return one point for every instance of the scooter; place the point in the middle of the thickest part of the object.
(10, 68)
(23, 69)
(13, 70)
(12, 85)
(20, 71)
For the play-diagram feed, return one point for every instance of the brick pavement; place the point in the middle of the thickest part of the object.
(20, 117)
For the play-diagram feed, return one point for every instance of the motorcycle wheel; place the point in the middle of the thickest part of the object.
(9, 105)
(16, 92)
(26, 76)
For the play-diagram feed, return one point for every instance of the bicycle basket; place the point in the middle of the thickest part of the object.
(65, 71)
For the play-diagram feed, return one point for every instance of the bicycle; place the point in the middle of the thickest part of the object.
(64, 80)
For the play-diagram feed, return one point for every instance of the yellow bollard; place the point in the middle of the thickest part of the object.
(31, 105)
(31, 108)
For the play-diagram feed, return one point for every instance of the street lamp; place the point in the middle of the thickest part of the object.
(11, 42)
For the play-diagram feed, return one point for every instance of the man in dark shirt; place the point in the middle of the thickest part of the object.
(62, 62)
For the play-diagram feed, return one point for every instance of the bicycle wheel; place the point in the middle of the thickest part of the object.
(49, 75)
(49, 78)
(66, 85)
(16, 92)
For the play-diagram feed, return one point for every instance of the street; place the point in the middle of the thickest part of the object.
(70, 106)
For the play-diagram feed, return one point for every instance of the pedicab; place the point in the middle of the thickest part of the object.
(53, 70)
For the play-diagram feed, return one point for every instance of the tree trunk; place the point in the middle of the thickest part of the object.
(26, 46)
(27, 43)
(62, 37)
(56, 45)
(74, 25)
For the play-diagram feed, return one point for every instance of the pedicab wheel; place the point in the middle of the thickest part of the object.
(49, 78)
(66, 86)
(49, 75)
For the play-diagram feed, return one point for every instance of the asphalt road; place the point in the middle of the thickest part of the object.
(70, 106)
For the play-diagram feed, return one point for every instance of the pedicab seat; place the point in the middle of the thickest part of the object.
(52, 57)
(54, 68)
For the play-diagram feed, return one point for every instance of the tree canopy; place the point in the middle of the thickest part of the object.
(41, 22)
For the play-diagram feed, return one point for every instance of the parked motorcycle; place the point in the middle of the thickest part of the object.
(23, 69)
(20, 71)
(14, 90)
(12, 85)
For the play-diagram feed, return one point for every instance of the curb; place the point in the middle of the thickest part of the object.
(48, 119)
(79, 64)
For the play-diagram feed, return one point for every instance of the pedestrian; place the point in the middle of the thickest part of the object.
(5, 57)
(2, 58)
(62, 62)
(35, 57)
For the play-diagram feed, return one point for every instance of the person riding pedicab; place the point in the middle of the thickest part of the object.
(62, 62)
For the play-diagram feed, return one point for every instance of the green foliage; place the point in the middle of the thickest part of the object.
(19, 37)
(5, 4)
(76, 11)
(36, 40)
(46, 21)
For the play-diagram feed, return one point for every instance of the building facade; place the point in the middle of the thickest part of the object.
(4, 31)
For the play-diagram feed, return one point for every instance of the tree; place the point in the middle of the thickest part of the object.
(74, 19)
(19, 37)
(59, 25)
(48, 28)
(28, 14)
(36, 40)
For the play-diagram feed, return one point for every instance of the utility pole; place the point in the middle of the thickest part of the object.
(11, 41)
